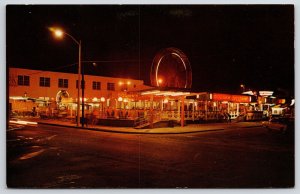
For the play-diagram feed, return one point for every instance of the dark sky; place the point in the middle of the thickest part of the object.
(226, 44)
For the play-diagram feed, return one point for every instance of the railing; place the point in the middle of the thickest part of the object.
(156, 117)
(196, 115)
(144, 116)
(170, 115)
(140, 121)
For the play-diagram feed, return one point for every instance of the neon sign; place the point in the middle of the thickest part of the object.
(231, 98)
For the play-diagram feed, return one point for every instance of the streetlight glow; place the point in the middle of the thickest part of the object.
(57, 32)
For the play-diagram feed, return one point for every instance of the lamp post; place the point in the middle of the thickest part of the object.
(102, 99)
(59, 34)
(120, 99)
(125, 102)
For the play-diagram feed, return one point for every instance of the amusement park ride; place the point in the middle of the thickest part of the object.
(171, 68)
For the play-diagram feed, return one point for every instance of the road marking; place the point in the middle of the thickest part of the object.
(31, 155)
(63, 180)
(13, 127)
(49, 138)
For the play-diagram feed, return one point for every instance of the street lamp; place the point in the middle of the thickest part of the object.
(125, 103)
(59, 34)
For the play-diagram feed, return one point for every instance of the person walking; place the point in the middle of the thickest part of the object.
(229, 118)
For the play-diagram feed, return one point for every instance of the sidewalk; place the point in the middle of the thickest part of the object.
(191, 128)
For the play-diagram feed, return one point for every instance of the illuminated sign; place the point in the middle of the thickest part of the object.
(266, 93)
(231, 98)
(248, 92)
(281, 101)
(221, 97)
(293, 102)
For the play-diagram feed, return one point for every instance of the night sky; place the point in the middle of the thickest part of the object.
(226, 44)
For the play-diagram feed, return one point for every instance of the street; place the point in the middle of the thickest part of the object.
(46, 156)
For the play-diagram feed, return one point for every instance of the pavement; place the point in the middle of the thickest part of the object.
(190, 128)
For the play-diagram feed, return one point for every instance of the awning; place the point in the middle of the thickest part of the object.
(165, 93)
(27, 98)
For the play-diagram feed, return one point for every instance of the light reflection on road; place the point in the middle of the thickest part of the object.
(32, 154)
(22, 122)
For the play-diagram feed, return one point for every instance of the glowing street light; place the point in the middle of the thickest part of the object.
(59, 34)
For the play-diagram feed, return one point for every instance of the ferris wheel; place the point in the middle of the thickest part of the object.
(171, 68)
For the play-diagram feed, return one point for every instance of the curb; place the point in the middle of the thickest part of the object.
(128, 132)
(252, 126)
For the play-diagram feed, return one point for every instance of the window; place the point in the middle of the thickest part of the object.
(96, 85)
(81, 84)
(111, 86)
(63, 83)
(45, 81)
(23, 80)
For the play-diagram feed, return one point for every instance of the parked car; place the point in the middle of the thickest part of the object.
(280, 124)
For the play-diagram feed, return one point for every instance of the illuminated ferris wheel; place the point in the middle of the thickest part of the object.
(171, 68)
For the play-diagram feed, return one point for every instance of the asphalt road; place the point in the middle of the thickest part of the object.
(57, 157)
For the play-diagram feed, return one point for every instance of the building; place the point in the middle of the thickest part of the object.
(111, 100)
(55, 93)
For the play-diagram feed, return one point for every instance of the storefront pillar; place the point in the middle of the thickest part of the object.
(193, 114)
(178, 108)
(217, 109)
(228, 109)
(151, 112)
(237, 109)
(205, 108)
(182, 111)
